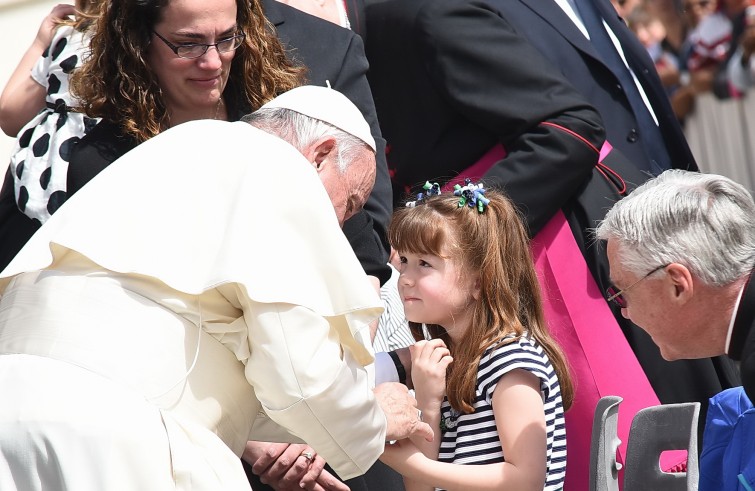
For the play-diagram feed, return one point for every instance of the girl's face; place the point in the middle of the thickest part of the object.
(437, 290)
(192, 87)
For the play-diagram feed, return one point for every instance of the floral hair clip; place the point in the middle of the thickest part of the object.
(471, 195)
(430, 190)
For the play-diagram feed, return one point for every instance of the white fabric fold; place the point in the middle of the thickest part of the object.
(210, 208)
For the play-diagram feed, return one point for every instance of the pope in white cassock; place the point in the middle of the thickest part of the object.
(198, 287)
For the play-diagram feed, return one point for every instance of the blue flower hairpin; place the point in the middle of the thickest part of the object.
(471, 195)
(431, 189)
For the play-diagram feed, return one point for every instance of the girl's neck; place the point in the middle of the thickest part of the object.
(460, 326)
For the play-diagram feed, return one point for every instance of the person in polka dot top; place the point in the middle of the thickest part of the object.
(37, 106)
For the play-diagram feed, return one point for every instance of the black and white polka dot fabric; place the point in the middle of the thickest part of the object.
(39, 161)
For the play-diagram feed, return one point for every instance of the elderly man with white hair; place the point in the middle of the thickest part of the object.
(197, 293)
(682, 249)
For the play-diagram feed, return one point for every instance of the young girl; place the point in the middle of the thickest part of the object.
(498, 400)
(37, 107)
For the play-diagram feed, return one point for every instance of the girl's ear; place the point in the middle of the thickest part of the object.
(476, 288)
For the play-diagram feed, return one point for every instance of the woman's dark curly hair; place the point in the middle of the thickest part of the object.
(117, 84)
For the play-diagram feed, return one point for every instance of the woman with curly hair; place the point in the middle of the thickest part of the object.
(155, 64)
(160, 63)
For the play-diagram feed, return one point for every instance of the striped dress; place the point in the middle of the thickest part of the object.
(473, 438)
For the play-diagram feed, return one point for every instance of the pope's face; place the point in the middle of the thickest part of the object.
(348, 191)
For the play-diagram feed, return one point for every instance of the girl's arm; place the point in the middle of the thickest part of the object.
(520, 419)
(23, 97)
(430, 359)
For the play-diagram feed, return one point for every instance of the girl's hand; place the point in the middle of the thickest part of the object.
(50, 23)
(430, 359)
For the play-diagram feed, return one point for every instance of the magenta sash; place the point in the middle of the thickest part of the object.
(601, 362)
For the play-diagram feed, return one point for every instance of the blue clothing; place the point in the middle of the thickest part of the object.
(727, 462)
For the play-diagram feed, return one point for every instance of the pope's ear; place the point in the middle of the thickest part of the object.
(320, 150)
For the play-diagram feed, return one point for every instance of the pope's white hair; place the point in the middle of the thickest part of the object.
(703, 221)
(300, 131)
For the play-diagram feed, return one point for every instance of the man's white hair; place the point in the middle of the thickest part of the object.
(703, 221)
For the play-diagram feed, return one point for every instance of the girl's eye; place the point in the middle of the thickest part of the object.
(402, 259)
(424, 264)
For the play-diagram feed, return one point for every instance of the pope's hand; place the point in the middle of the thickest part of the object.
(401, 412)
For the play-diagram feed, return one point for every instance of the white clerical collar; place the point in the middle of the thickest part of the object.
(734, 317)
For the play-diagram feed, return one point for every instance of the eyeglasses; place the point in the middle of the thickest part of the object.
(190, 51)
(617, 296)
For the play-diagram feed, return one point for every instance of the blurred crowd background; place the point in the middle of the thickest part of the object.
(698, 48)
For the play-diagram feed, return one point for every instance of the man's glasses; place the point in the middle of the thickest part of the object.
(617, 296)
(190, 51)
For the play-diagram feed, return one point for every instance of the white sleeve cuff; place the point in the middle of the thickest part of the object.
(740, 77)
(385, 371)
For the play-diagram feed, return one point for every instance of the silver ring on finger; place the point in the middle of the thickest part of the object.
(310, 456)
(419, 414)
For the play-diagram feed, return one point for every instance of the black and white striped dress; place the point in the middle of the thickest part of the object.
(473, 438)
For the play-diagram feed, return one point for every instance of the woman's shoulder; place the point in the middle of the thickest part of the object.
(101, 146)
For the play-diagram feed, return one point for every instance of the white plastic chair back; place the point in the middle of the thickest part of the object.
(604, 470)
(657, 429)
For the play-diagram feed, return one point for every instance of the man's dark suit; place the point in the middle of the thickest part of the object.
(453, 77)
(553, 33)
(443, 103)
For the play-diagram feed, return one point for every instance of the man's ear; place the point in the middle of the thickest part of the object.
(682, 281)
(319, 151)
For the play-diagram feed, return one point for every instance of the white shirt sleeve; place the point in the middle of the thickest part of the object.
(385, 370)
(740, 77)
(310, 385)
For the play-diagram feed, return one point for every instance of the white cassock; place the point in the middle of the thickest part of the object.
(197, 287)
